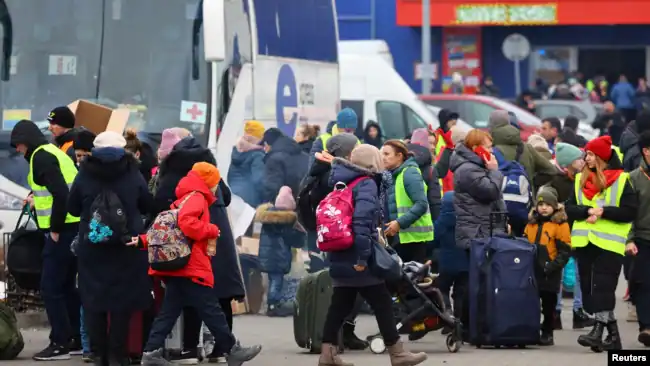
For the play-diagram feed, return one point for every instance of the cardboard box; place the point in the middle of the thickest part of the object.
(238, 308)
(249, 246)
(98, 118)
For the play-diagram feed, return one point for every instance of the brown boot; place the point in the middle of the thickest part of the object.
(329, 356)
(400, 357)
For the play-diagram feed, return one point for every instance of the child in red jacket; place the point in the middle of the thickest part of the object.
(192, 285)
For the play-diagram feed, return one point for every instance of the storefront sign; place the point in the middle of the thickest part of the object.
(524, 12)
(461, 54)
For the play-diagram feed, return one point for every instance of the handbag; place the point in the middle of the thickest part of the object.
(24, 252)
(384, 263)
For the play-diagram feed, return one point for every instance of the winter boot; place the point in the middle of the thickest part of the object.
(613, 339)
(582, 320)
(557, 321)
(329, 356)
(400, 357)
(546, 339)
(644, 337)
(350, 340)
(594, 338)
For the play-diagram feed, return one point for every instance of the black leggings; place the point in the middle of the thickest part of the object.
(108, 342)
(192, 324)
(343, 300)
(412, 252)
(549, 302)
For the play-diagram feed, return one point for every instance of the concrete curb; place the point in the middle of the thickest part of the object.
(32, 319)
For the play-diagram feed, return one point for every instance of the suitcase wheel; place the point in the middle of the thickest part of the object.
(478, 346)
(497, 347)
(377, 345)
(521, 346)
(453, 344)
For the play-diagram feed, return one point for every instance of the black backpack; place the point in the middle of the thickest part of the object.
(108, 221)
(305, 205)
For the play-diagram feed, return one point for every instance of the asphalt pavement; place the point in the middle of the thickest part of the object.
(276, 336)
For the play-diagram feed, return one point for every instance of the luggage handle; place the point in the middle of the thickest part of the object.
(502, 215)
(30, 216)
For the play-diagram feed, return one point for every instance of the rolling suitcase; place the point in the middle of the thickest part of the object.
(310, 310)
(504, 299)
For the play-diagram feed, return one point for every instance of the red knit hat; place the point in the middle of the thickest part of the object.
(601, 147)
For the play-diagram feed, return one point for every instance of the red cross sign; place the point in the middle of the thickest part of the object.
(195, 111)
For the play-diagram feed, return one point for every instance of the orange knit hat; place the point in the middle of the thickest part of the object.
(208, 173)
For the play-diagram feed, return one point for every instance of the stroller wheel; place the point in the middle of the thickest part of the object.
(453, 344)
(377, 345)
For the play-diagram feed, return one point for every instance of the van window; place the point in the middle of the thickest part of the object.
(413, 120)
(390, 116)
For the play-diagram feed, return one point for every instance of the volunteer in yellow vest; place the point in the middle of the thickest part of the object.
(442, 146)
(409, 227)
(62, 122)
(418, 146)
(346, 121)
(51, 173)
(602, 207)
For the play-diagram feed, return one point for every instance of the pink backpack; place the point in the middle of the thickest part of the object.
(334, 218)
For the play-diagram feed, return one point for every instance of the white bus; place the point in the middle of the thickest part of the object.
(271, 60)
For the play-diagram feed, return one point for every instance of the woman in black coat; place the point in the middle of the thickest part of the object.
(228, 281)
(112, 276)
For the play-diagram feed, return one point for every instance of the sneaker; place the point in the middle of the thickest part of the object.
(187, 357)
(217, 358)
(155, 358)
(53, 352)
(87, 357)
(238, 354)
(75, 347)
(279, 310)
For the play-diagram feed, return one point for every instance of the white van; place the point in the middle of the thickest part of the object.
(376, 92)
(376, 47)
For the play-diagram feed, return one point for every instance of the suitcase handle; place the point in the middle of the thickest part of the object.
(502, 215)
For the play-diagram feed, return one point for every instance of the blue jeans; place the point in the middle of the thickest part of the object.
(577, 294)
(276, 284)
(58, 288)
(182, 292)
(85, 339)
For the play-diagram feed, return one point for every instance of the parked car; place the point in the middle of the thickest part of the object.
(585, 111)
(476, 109)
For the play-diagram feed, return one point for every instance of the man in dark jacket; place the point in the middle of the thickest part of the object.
(629, 142)
(62, 122)
(611, 122)
(570, 132)
(52, 172)
(285, 164)
(419, 147)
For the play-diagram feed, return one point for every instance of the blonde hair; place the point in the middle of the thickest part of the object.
(599, 179)
(133, 143)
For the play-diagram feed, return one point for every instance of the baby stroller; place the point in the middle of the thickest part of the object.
(419, 307)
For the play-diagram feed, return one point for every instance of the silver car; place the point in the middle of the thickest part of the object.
(585, 111)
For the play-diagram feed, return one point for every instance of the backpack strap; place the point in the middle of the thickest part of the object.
(519, 152)
(356, 181)
(185, 199)
(501, 160)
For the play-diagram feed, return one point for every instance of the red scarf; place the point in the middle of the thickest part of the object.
(445, 136)
(590, 190)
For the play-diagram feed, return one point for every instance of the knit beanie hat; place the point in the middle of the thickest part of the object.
(499, 118)
(254, 128)
(208, 173)
(458, 134)
(83, 140)
(565, 154)
(341, 145)
(601, 147)
(368, 157)
(109, 139)
(271, 135)
(537, 141)
(61, 116)
(547, 195)
(347, 118)
(420, 137)
(285, 200)
(170, 137)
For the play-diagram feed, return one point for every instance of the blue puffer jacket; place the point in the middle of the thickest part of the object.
(246, 172)
(277, 238)
(414, 186)
(623, 95)
(285, 165)
(367, 196)
(452, 259)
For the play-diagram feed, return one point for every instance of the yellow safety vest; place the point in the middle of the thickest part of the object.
(43, 199)
(605, 234)
(618, 152)
(422, 229)
(439, 145)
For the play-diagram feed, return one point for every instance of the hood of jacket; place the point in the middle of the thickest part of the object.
(248, 143)
(184, 155)
(268, 214)
(285, 144)
(629, 138)
(193, 183)
(344, 171)
(330, 127)
(410, 162)
(558, 217)
(422, 155)
(244, 149)
(66, 137)
(366, 136)
(28, 133)
(109, 163)
(464, 155)
(444, 116)
(505, 135)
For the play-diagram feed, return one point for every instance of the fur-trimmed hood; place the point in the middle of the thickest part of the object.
(268, 214)
(558, 217)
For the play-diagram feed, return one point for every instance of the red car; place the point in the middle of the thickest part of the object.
(476, 109)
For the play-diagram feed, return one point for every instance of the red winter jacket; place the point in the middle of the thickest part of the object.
(194, 221)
